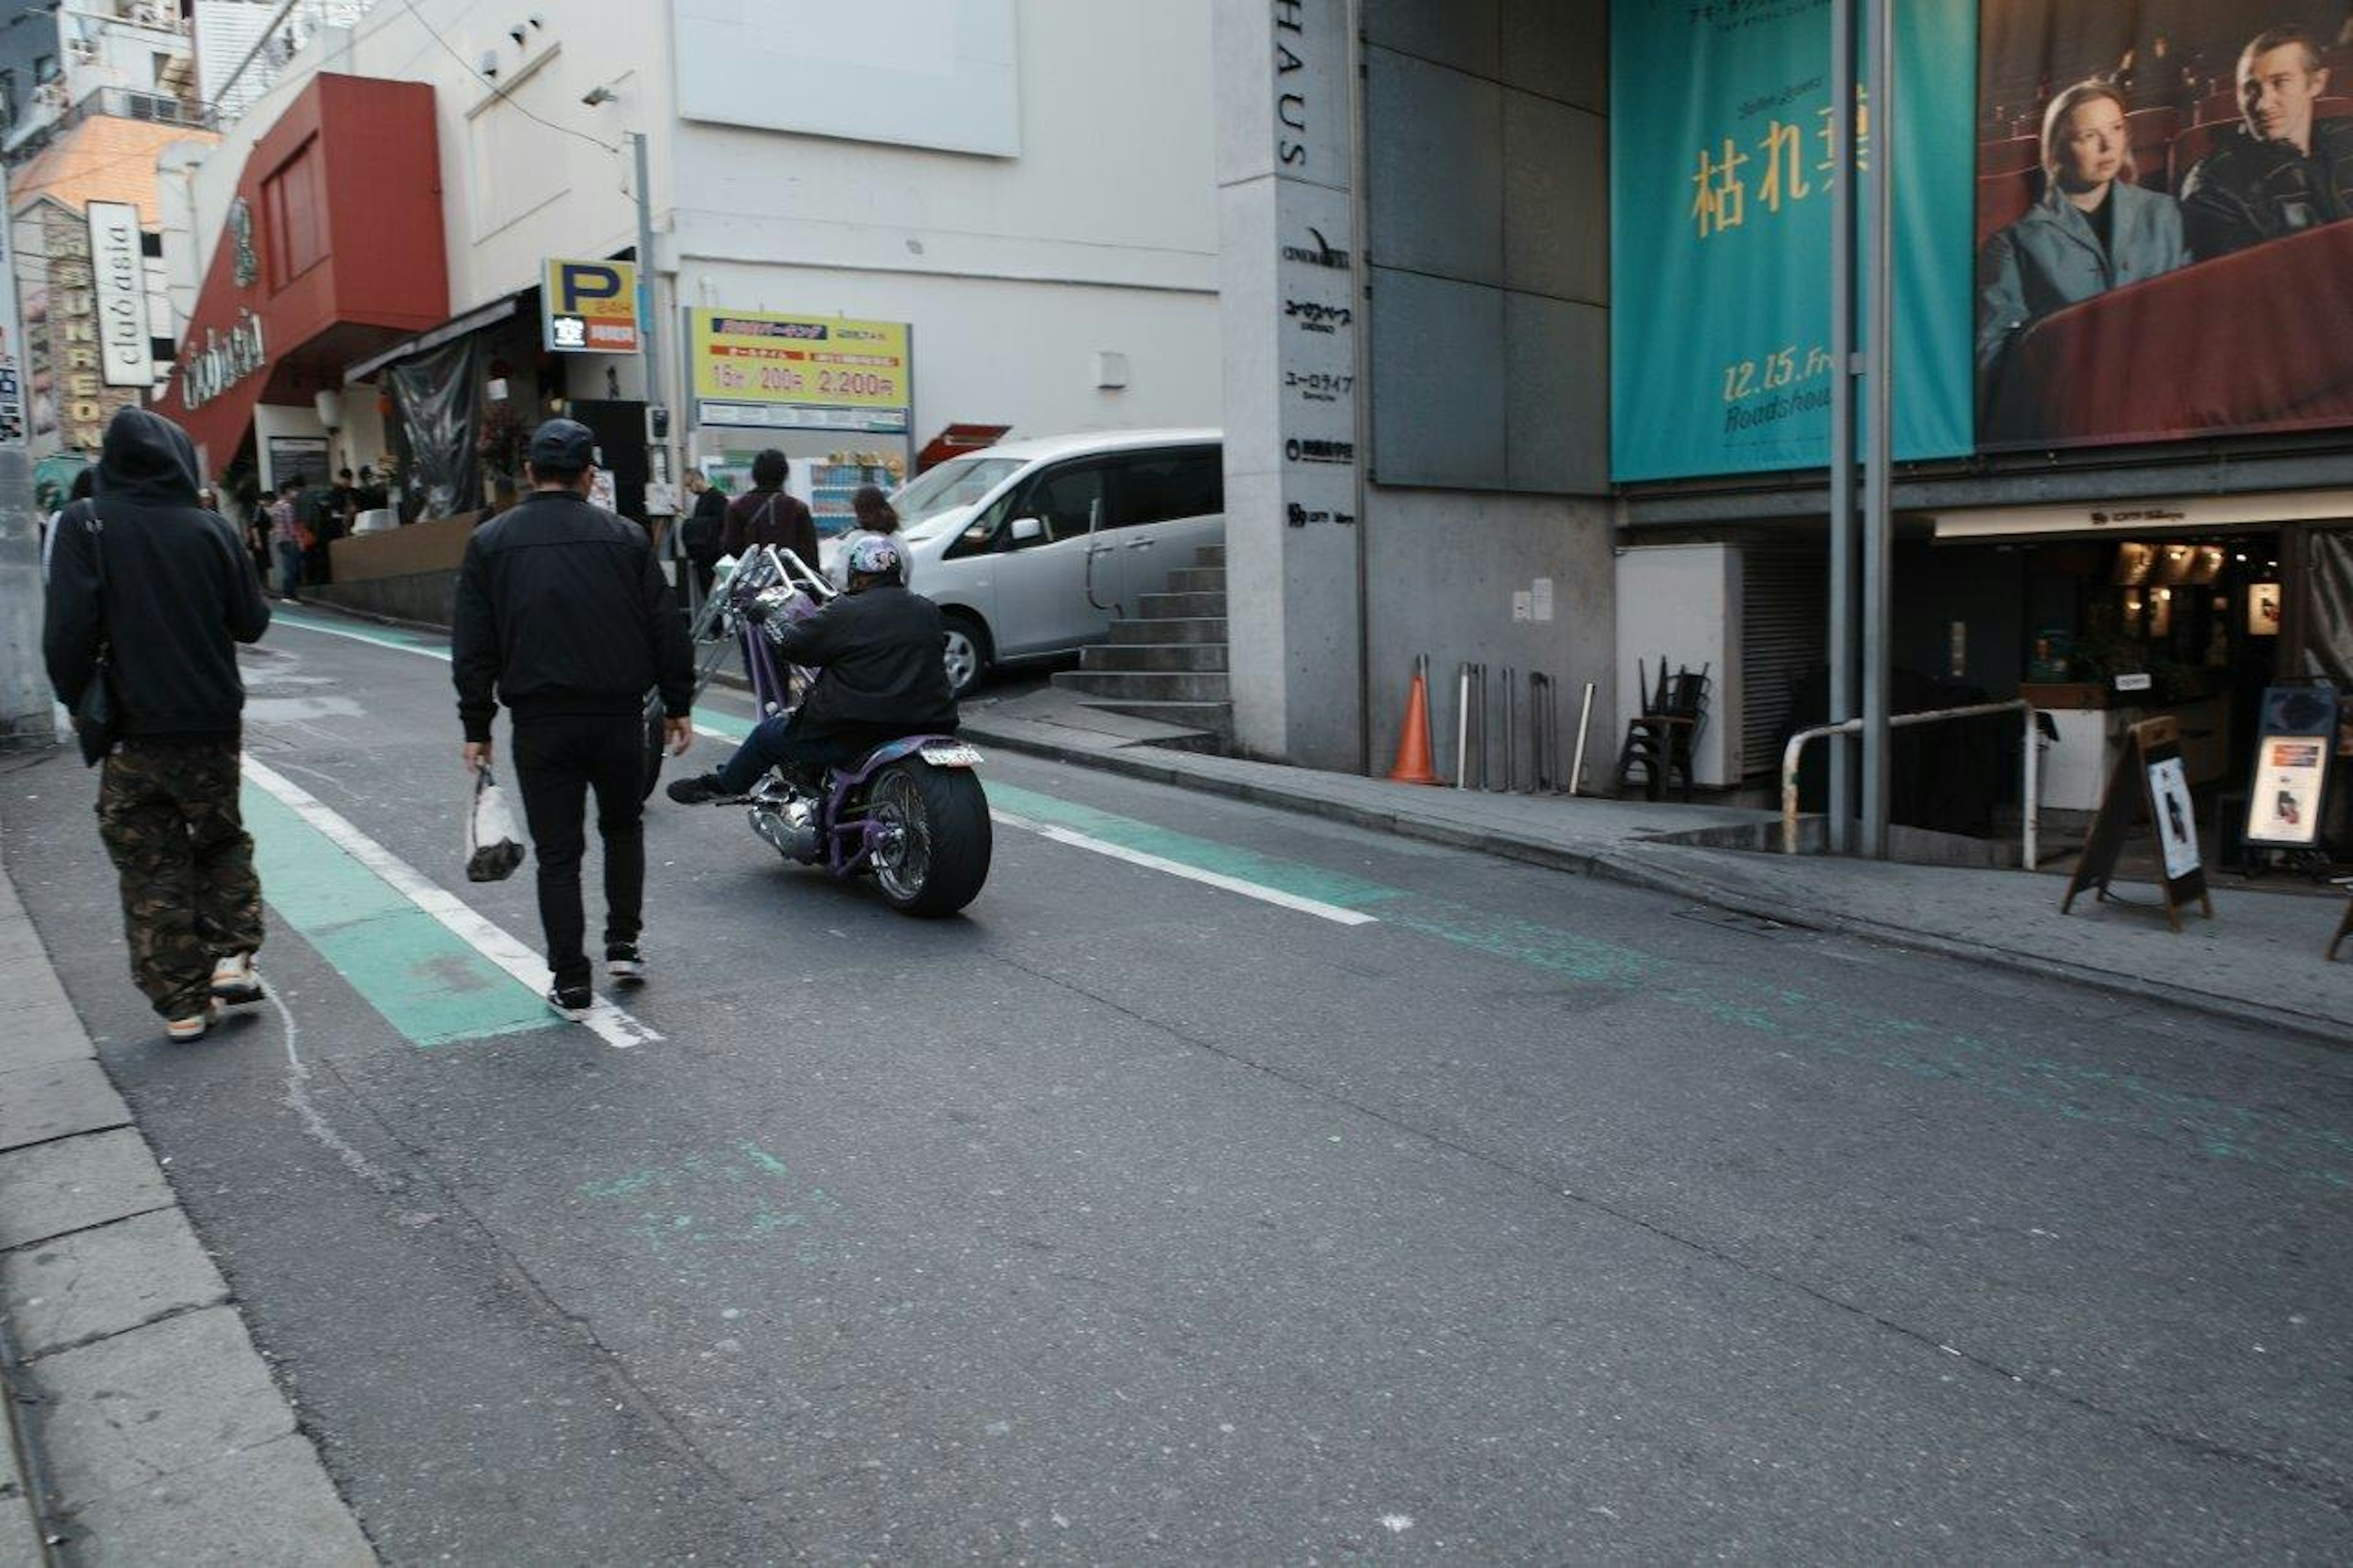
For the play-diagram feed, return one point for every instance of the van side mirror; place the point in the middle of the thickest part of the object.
(1026, 530)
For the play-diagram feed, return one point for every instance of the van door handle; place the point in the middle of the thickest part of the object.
(1140, 543)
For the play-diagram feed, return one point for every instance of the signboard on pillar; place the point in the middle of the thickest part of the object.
(1289, 274)
(118, 270)
(589, 307)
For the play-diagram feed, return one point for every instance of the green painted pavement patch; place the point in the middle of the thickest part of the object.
(428, 984)
(1201, 853)
(702, 1209)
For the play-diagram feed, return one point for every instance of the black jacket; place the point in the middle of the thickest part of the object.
(2245, 192)
(180, 590)
(561, 609)
(769, 517)
(880, 669)
(705, 528)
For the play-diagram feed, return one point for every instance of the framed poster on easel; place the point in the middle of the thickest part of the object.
(2296, 739)
(2148, 780)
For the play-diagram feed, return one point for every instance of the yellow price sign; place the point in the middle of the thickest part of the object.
(762, 369)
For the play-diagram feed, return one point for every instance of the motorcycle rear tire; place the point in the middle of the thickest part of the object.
(955, 828)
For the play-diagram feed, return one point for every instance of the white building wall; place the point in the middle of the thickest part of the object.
(1682, 603)
(1100, 234)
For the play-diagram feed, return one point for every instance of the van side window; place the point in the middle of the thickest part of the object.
(1065, 500)
(1156, 487)
(980, 535)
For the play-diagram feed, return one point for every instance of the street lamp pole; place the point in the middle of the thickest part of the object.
(660, 416)
(1879, 534)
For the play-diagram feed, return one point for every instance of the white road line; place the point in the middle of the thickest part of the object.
(613, 1026)
(1262, 893)
(1275, 896)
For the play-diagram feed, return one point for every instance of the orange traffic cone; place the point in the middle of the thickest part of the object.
(1414, 763)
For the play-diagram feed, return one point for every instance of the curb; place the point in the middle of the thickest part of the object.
(142, 1423)
(1627, 872)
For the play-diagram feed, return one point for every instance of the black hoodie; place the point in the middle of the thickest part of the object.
(178, 589)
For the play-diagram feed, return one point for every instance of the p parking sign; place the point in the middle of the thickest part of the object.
(590, 308)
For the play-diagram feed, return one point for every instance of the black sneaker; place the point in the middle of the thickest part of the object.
(624, 963)
(703, 789)
(573, 1001)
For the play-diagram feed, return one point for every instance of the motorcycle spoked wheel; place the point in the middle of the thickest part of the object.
(940, 856)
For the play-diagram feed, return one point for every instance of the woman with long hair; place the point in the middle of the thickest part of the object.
(876, 520)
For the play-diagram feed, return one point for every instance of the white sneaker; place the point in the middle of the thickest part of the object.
(233, 981)
(193, 1028)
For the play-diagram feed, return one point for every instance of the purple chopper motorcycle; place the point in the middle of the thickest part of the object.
(911, 812)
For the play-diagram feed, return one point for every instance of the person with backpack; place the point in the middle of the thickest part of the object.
(704, 530)
(766, 515)
(150, 592)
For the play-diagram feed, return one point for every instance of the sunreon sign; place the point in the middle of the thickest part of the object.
(223, 362)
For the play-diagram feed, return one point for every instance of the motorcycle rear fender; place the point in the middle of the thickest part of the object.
(883, 755)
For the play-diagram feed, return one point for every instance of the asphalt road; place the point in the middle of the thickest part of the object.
(1364, 1200)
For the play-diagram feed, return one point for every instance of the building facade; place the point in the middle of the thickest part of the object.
(1586, 338)
(1040, 230)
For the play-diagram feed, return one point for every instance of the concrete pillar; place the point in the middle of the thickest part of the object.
(1293, 313)
(26, 715)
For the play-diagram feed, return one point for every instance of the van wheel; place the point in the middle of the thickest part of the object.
(965, 650)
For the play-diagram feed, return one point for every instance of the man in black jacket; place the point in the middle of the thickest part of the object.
(564, 615)
(161, 586)
(879, 675)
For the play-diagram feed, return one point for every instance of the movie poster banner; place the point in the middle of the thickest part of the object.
(1721, 172)
(2160, 195)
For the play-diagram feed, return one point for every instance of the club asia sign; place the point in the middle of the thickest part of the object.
(119, 281)
(223, 360)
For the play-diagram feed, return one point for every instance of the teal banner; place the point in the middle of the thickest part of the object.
(1722, 164)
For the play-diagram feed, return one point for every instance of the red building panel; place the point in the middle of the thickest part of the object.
(338, 253)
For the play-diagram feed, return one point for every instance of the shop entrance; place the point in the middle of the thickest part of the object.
(2101, 631)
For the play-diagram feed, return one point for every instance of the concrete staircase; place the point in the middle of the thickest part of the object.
(1168, 662)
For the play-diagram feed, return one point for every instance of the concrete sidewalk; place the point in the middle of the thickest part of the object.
(150, 1426)
(2260, 961)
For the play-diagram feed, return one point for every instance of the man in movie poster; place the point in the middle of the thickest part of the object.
(2162, 196)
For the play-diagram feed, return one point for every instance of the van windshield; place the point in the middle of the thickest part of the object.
(952, 485)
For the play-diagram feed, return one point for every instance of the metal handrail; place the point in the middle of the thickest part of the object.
(1792, 753)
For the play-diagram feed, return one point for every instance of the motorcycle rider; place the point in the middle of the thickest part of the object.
(877, 652)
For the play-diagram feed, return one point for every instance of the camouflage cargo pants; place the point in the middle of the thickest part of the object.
(168, 813)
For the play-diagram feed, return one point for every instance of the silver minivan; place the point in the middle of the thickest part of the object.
(1031, 548)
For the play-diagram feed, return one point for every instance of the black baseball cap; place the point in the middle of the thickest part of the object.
(564, 446)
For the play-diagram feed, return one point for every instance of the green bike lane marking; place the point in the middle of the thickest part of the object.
(1792, 1019)
(429, 986)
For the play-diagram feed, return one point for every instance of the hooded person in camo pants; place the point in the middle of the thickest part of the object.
(164, 585)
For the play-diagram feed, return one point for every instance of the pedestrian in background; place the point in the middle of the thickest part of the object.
(876, 518)
(563, 615)
(150, 592)
(701, 533)
(286, 541)
(766, 515)
(79, 495)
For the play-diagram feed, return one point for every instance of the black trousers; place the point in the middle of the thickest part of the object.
(558, 760)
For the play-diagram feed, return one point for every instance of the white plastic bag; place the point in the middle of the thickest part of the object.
(492, 849)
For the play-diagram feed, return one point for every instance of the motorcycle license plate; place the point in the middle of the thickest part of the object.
(951, 756)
